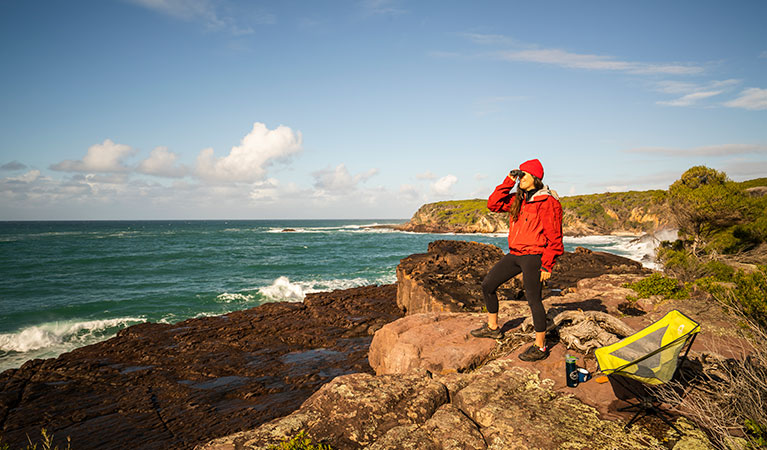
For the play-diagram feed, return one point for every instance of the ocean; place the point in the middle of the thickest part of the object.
(69, 284)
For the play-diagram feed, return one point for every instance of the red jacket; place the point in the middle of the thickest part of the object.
(538, 230)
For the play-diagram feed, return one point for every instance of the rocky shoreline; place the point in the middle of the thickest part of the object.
(251, 378)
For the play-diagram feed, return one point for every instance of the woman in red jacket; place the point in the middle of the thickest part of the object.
(535, 241)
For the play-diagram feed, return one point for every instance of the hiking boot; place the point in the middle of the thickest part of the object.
(534, 353)
(486, 332)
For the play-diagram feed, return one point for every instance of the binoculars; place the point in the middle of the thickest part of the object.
(516, 173)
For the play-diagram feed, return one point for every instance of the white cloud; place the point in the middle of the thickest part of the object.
(746, 168)
(409, 193)
(161, 163)
(491, 39)
(524, 52)
(586, 61)
(106, 157)
(444, 184)
(13, 165)
(693, 92)
(381, 7)
(248, 161)
(426, 176)
(681, 87)
(689, 99)
(28, 177)
(215, 15)
(339, 180)
(649, 180)
(763, 55)
(480, 176)
(752, 98)
(709, 150)
(268, 190)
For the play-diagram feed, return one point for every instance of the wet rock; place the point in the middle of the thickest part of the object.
(437, 342)
(174, 386)
(448, 278)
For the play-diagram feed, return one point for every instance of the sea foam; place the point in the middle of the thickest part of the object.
(63, 333)
(282, 289)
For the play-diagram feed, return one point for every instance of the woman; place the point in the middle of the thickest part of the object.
(535, 241)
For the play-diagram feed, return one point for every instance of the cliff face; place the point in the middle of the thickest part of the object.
(457, 216)
(620, 212)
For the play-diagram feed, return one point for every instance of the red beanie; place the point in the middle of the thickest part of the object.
(533, 167)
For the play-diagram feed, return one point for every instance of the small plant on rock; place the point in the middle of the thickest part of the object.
(299, 442)
(657, 284)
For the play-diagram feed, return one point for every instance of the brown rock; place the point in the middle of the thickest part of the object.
(514, 408)
(449, 276)
(447, 429)
(350, 412)
(174, 386)
(437, 342)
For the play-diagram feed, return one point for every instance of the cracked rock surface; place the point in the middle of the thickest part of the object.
(160, 386)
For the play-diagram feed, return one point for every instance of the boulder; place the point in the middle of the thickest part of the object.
(514, 408)
(350, 412)
(448, 429)
(448, 278)
(437, 342)
(499, 406)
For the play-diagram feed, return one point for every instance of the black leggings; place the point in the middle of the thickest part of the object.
(507, 268)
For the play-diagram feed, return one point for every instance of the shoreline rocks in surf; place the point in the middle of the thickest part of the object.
(162, 385)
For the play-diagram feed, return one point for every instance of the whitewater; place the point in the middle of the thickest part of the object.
(70, 284)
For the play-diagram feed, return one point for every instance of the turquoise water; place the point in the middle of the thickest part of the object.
(68, 284)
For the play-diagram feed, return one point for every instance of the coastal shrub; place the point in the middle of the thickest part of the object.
(299, 442)
(657, 284)
(679, 263)
(718, 270)
(683, 265)
(747, 294)
(729, 400)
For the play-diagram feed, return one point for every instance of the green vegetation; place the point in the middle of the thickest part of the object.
(299, 442)
(758, 434)
(716, 215)
(616, 210)
(745, 292)
(721, 223)
(46, 443)
(461, 212)
(657, 284)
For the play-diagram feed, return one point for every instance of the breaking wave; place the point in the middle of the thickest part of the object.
(282, 289)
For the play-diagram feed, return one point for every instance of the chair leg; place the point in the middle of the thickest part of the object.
(663, 416)
(640, 414)
(645, 408)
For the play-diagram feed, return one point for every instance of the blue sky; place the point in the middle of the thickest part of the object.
(195, 109)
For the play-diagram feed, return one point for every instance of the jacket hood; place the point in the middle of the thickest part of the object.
(541, 195)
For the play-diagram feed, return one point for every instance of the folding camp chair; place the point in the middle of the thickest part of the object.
(647, 359)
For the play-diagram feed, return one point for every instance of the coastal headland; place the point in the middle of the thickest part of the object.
(245, 377)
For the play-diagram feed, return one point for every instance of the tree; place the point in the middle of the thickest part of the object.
(704, 201)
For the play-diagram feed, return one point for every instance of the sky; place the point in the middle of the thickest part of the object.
(365, 109)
